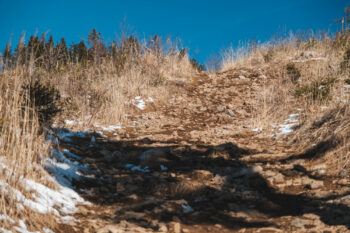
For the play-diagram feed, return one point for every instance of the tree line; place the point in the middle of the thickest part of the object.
(44, 53)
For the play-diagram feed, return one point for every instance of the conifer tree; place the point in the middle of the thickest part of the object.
(97, 49)
(62, 51)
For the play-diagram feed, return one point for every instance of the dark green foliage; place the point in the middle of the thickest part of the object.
(196, 65)
(62, 52)
(43, 53)
(79, 52)
(97, 49)
(347, 81)
(128, 50)
(318, 90)
(293, 72)
(43, 98)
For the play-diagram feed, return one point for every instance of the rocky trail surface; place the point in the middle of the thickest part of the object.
(194, 165)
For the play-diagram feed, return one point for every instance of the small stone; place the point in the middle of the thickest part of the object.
(134, 215)
(218, 226)
(230, 112)
(176, 227)
(133, 197)
(185, 230)
(220, 109)
(299, 223)
(279, 178)
(162, 228)
(343, 173)
(316, 184)
(322, 194)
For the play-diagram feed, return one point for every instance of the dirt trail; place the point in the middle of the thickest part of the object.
(195, 166)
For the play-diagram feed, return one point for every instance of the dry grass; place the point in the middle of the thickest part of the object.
(301, 76)
(98, 94)
(89, 94)
(22, 151)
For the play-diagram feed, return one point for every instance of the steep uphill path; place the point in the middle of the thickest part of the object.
(194, 165)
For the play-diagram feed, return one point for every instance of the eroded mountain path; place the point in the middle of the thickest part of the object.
(194, 165)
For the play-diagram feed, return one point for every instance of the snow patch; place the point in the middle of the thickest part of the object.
(139, 102)
(288, 125)
(136, 168)
(310, 59)
(23, 228)
(187, 209)
(163, 168)
(6, 218)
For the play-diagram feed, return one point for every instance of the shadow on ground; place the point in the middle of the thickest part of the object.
(193, 185)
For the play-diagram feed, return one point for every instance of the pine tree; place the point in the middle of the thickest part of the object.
(50, 57)
(79, 52)
(62, 51)
(97, 49)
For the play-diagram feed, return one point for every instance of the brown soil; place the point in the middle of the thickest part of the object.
(229, 178)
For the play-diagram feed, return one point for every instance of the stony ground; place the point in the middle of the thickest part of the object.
(207, 170)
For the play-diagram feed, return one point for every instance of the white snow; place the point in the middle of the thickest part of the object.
(3, 230)
(66, 199)
(311, 59)
(137, 168)
(111, 128)
(67, 219)
(6, 218)
(64, 170)
(23, 228)
(288, 125)
(47, 230)
(187, 209)
(139, 102)
(163, 168)
(70, 122)
(257, 129)
(72, 155)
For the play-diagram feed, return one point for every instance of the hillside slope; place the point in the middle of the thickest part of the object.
(198, 164)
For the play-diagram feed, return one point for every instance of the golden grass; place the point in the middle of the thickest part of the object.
(22, 151)
(319, 62)
(99, 94)
(89, 94)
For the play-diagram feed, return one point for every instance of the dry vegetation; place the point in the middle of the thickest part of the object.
(305, 76)
(308, 77)
(33, 96)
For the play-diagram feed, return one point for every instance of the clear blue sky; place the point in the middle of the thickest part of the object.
(206, 27)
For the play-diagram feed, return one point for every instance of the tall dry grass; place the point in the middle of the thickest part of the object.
(304, 75)
(22, 150)
(99, 94)
(88, 93)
